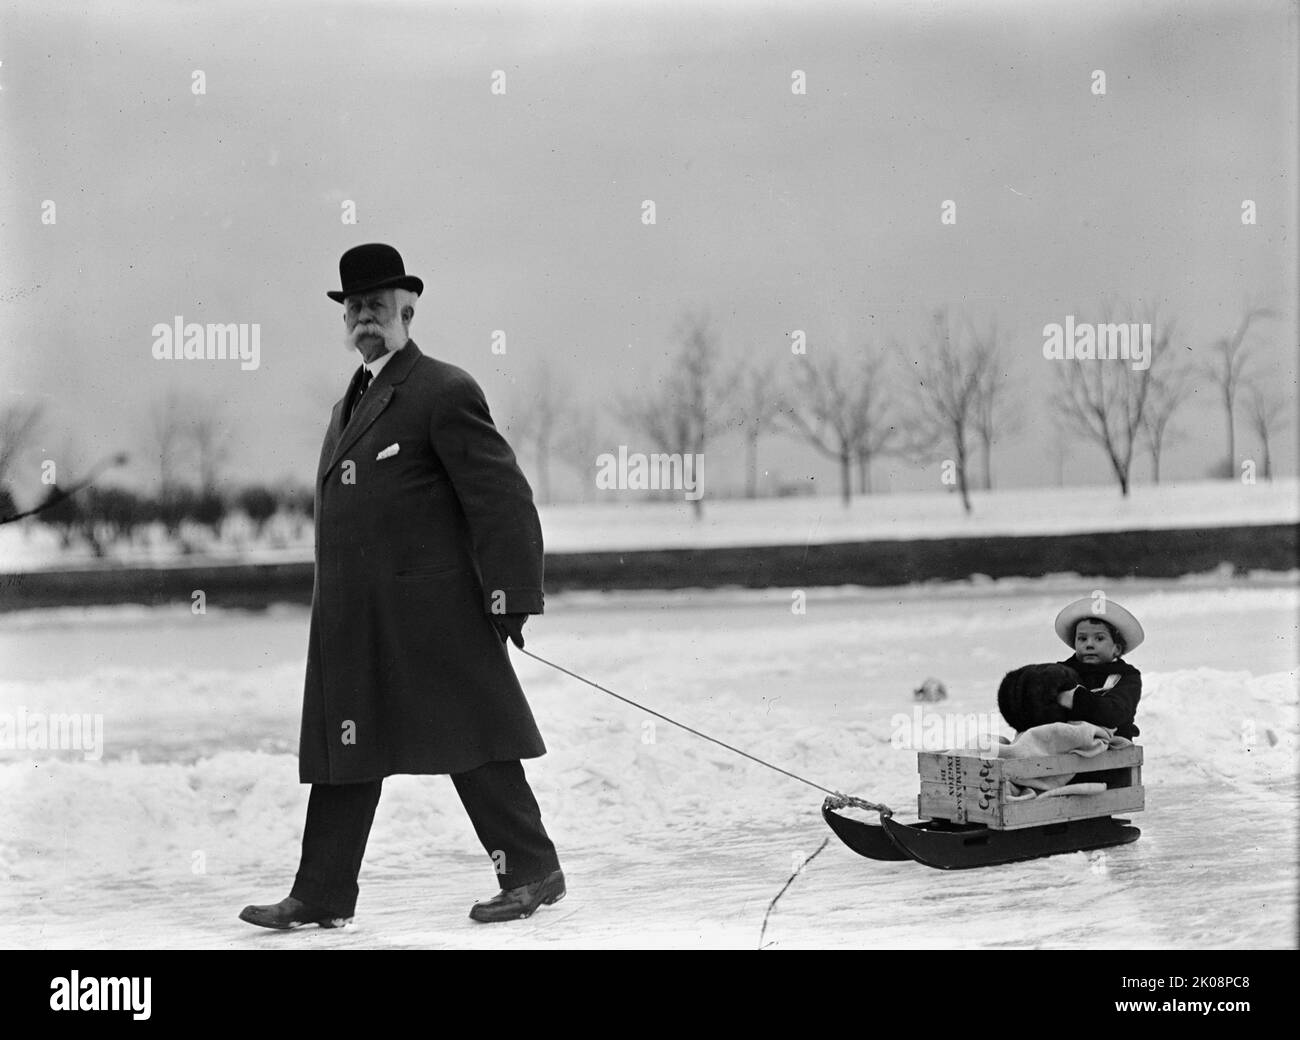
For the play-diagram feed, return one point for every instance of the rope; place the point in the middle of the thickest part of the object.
(790, 880)
(844, 801)
(835, 799)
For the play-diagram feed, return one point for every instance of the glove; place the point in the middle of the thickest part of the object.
(1027, 697)
(510, 626)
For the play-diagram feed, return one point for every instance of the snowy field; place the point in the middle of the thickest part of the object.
(194, 808)
(627, 522)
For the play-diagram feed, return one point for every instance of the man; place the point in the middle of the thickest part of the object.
(428, 555)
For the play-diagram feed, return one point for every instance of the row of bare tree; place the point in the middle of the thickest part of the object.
(188, 437)
(1120, 408)
(943, 399)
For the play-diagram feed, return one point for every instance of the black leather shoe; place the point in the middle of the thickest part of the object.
(516, 903)
(290, 913)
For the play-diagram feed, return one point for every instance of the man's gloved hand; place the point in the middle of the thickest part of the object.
(1028, 697)
(510, 626)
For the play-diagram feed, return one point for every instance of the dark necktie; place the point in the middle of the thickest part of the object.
(365, 383)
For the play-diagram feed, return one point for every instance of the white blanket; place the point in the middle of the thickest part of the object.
(1058, 738)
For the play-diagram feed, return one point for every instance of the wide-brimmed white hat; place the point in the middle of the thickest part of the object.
(1099, 609)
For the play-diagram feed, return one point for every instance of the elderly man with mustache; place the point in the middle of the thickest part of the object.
(428, 557)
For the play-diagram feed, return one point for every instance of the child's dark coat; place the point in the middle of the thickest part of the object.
(1113, 708)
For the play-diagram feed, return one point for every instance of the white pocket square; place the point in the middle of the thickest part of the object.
(388, 452)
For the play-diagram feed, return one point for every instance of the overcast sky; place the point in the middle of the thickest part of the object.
(522, 211)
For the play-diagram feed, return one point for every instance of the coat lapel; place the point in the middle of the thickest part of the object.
(333, 431)
(372, 404)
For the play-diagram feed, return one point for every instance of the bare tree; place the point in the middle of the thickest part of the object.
(880, 433)
(164, 437)
(996, 410)
(687, 411)
(209, 433)
(18, 425)
(839, 407)
(756, 408)
(1060, 452)
(537, 408)
(1166, 393)
(1106, 400)
(949, 379)
(186, 429)
(1226, 370)
(552, 424)
(576, 442)
(1267, 412)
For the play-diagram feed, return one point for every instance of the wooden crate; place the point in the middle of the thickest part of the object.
(964, 787)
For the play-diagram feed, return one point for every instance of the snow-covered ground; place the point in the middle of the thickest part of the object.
(1025, 511)
(626, 521)
(194, 808)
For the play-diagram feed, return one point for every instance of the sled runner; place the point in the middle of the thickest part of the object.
(972, 815)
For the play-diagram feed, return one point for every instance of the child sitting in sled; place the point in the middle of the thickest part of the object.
(1094, 685)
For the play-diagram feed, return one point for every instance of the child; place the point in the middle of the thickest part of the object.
(1109, 688)
(1094, 685)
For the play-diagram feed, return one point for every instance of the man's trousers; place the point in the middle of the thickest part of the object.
(496, 796)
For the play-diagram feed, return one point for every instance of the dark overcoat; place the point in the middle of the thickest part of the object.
(425, 527)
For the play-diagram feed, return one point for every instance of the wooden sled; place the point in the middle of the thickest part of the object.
(969, 817)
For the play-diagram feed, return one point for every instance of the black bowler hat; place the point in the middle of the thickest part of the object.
(370, 267)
